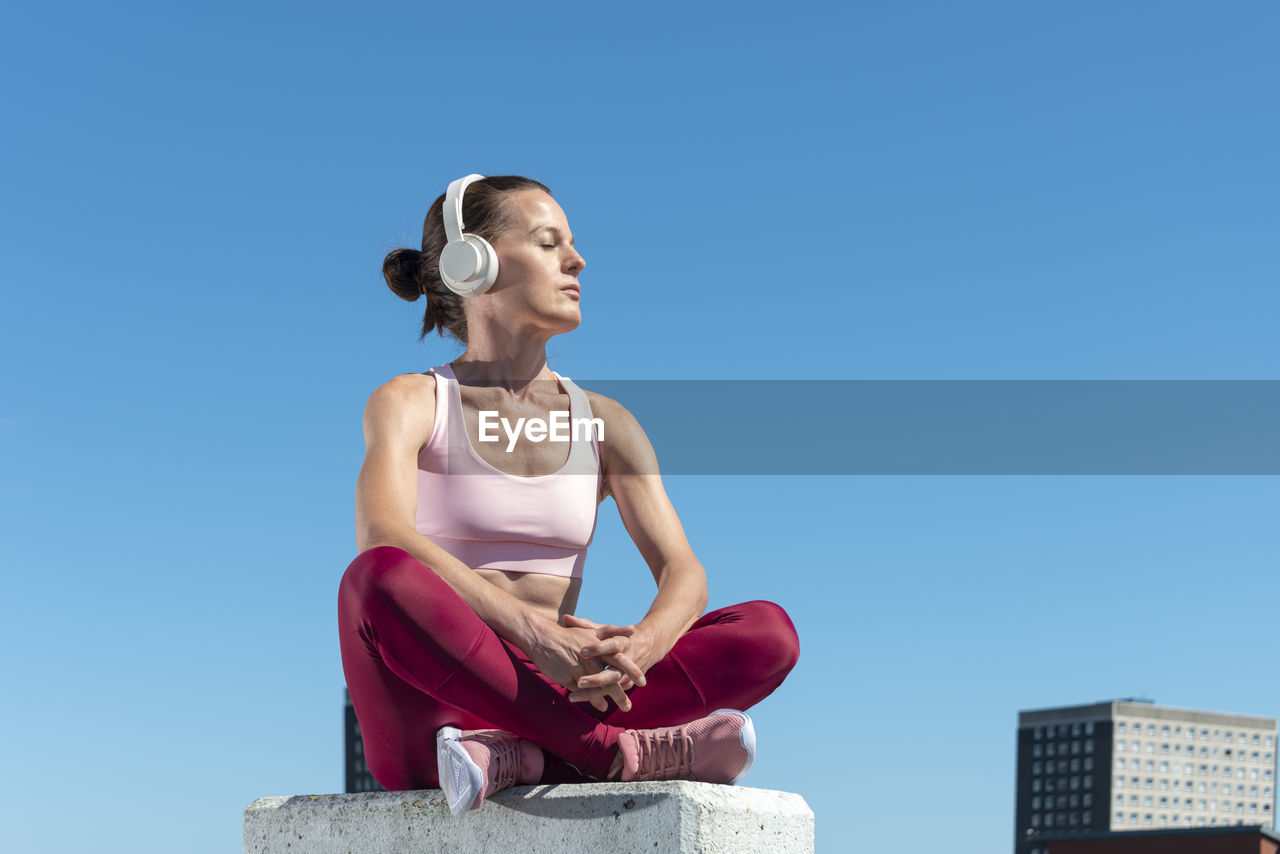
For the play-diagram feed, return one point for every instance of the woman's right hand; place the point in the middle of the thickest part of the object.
(557, 652)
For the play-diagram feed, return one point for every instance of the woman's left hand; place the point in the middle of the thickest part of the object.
(621, 650)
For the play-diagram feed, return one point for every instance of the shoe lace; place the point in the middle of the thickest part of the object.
(504, 760)
(665, 754)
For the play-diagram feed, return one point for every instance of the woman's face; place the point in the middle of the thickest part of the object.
(537, 265)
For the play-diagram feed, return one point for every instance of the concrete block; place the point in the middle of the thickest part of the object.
(566, 819)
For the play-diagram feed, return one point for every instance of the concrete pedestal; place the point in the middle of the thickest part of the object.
(601, 817)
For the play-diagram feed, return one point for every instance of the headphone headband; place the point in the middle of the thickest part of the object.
(453, 206)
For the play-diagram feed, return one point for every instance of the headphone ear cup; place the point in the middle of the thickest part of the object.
(469, 266)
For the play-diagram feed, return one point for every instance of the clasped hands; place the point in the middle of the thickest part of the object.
(595, 662)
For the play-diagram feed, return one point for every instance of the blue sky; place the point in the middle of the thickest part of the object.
(196, 205)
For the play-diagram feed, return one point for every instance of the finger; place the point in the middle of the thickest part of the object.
(608, 631)
(610, 646)
(576, 622)
(624, 664)
(619, 696)
(600, 679)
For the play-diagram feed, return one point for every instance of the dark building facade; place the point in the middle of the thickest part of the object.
(1132, 766)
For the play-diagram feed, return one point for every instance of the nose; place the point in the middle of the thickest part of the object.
(574, 262)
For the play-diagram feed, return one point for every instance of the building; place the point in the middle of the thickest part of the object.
(1132, 765)
(1183, 840)
(358, 778)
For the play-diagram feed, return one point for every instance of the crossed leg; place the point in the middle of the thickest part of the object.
(417, 658)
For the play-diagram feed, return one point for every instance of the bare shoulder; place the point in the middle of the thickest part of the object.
(614, 415)
(404, 406)
(625, 447)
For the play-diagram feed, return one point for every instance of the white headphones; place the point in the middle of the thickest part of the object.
(468, 264)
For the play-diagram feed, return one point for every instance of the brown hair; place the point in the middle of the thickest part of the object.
(411, 273)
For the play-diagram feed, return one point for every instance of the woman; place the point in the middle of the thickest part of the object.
(465, 661)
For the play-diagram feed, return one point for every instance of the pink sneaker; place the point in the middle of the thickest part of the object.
(472, 765)
(716, 749)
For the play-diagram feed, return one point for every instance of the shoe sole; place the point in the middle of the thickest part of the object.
(460, 777)
(746, 737)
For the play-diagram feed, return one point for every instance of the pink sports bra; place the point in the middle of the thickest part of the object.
(489, 519)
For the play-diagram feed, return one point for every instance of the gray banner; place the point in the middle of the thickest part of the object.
(956, 427)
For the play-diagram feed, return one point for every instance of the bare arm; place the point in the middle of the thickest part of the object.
(632, 478)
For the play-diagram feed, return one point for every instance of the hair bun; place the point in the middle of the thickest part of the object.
(402, 269)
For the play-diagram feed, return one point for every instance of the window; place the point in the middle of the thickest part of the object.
(1075, 765)
(1035, 767)
(1048, 749)
(1048, 767)
(1038, 734)
(1075, 747)
(1120, 746)
(1075, 730)
(1151, 729)
(1087, 818)
(1087, 799)
(1120, 764)
(1119, 818)
(1119, 782)
(1088, 729)
(1035, 819)
(1036, 750)
(1088, 781)
(1120, 726)
(1035, 785)
(1088, 763)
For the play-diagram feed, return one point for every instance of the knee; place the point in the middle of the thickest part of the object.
(377, 572)
(775, 632)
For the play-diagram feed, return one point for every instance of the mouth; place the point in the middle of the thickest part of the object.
(573, 289)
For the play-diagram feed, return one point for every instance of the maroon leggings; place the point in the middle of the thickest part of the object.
(416, 658)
